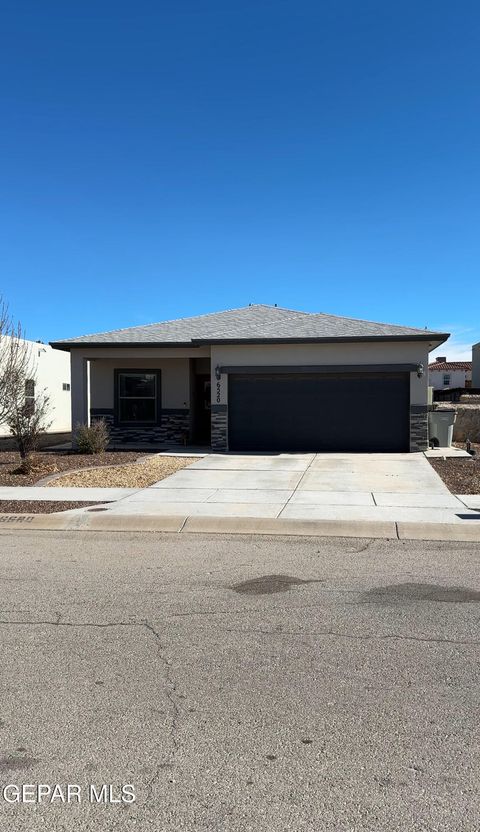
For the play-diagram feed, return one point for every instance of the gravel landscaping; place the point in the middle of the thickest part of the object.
(461, 475)
(51, 462)
(140, 475)
(39, 506)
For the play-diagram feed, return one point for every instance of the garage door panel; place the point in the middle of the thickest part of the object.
(346, 412)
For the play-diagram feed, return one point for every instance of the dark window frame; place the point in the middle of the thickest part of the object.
(158, 398)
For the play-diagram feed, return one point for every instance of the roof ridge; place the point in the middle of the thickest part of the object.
(194, 317)
(160, 323)
(282, 308)
(377, 323)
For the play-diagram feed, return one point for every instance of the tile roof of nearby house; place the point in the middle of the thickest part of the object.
(450, 365)
(256, 322)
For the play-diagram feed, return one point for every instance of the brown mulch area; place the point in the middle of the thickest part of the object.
(40, 506)
(52, 462)
(461, 475)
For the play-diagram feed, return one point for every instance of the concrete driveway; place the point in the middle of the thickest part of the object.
(302, 486)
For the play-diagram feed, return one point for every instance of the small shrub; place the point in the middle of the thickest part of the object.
(92, 439)
(26, 466)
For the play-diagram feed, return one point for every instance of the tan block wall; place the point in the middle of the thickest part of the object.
(467, 424)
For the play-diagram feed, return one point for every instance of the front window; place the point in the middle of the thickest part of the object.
(137, 397)
(446, 381)
(30, 396)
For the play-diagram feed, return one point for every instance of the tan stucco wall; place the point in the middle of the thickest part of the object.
(141, 352)
(404, 352)
(175, 379)
(176, 374)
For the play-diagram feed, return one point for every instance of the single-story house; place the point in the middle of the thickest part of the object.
(259, 378)
(443, 374)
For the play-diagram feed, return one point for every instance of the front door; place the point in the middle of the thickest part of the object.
(201, 424)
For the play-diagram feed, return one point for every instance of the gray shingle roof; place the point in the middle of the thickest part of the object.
(255, 322)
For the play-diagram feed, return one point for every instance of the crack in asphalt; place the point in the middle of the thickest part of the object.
(59, 623)
(171, 683)
(251, 610)
(171, 692)
(366, 637)
(176, 712)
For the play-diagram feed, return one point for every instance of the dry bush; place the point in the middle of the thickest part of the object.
(92, 439)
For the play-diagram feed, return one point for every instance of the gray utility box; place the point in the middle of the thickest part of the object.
(440, 426)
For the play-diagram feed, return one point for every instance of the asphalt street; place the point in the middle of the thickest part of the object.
(239, 683)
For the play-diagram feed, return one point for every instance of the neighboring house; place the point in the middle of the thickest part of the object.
(443, 374)
(259, 378)
(51, 371)
(476, 365)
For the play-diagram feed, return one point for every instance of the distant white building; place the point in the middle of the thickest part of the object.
(476, 365)
(443, 374)
(51, 371)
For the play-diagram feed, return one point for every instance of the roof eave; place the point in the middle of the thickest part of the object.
(68, 345)
(435, 337)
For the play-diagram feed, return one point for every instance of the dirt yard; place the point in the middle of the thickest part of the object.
(461, 475)
(40, 506)
(51, 462)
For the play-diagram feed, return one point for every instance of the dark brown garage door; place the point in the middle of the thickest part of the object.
(319, 412)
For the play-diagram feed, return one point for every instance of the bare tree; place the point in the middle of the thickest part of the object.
(28, 420)
(15, 359)
(21, 408)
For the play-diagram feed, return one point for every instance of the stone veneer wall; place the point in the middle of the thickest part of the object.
(219, 417)
(175, 423)
(418, 428)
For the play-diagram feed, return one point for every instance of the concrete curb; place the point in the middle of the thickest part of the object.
(92, 522)
(316, 528)
(440, 531)
(242, 525)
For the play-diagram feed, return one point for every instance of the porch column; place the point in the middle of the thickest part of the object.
(79, 389)
(219, 409)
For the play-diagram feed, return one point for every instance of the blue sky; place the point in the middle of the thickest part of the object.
(169, 158)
